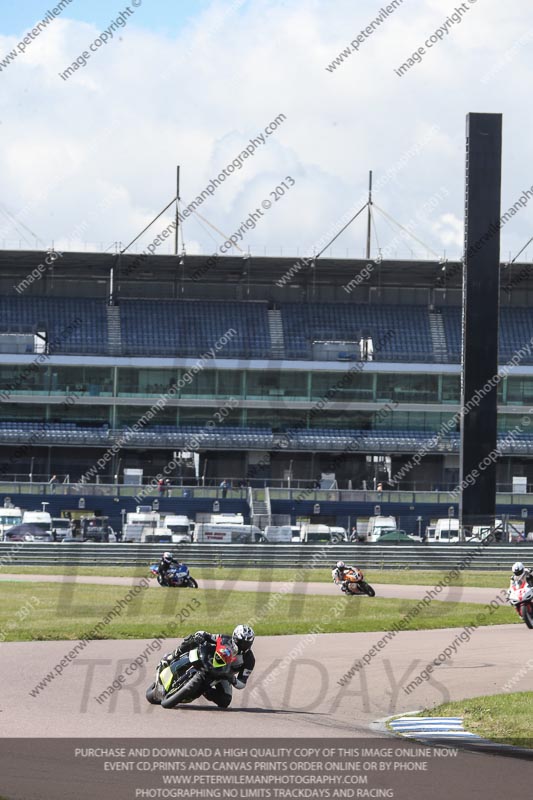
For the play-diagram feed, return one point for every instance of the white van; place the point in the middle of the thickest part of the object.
(181, 527)
(235, 534)
(445, 530)
(227, 519)
(321, 533)
(42, 519)
(278, 534)
(377, 526)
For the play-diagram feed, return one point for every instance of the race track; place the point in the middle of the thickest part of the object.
(459, 594)
(303, 699)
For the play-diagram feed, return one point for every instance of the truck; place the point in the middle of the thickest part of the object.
(278, 534)
(175, 529)
(141, 522)
(226, 532)
(97, 529)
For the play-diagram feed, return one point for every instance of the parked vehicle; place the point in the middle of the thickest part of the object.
(180, 526)
(176, 576)
(520, 595)
(445, 530)
(321, 533)
(97, 529)
(379, 525)
(236, 534)
(141, 521)
(8, 518)
(278, 534)
(61, 527)
(42, 519)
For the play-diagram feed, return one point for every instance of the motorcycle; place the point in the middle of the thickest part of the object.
(176, 576)
(191, 675)
(354, 583)
(520, 595)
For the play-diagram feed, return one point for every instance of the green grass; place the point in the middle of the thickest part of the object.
(68, 611)
(501, 717)
(492, 580)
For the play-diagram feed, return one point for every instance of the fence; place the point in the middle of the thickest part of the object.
(265, 556)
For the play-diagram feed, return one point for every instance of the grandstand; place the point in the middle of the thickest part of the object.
(88, 350)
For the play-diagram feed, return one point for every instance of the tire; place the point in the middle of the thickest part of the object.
(192, 584)
(189, 691)
(367, 589)
(150, 695)
(527, 615)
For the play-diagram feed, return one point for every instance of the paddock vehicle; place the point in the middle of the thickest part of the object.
(520, 595)
(191, 675)
(238, 534)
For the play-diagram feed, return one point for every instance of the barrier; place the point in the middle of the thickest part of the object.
(266, 556)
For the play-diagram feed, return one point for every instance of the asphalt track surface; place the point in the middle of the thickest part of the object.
(295, 691)
(461, 594)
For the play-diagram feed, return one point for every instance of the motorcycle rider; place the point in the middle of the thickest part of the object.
(221, 693)
(167, 562)
(339, 574)
(520, 572)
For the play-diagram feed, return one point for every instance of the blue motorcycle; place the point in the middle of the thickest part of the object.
(176, 576)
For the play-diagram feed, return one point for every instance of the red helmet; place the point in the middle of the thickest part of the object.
(225, 652)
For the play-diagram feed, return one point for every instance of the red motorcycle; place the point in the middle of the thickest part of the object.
(520, 595)
(354, 583)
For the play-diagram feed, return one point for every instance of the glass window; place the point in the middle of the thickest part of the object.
(347, 386)
(451, 388)
(520, 391)
(405, 388)
(267, 384)
(151, 382)
(92, 381)
(24, 379)
(203, 384)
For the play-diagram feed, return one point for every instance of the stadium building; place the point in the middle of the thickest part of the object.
(266, 371)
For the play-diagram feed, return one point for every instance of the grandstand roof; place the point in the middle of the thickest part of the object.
(165, 275)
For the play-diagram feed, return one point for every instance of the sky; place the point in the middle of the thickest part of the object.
(88, 153)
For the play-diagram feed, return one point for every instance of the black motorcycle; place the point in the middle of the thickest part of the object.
(190, 676)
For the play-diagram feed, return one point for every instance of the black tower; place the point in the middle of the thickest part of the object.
(479, 390)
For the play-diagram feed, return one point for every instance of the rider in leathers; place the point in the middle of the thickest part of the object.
(221, 693)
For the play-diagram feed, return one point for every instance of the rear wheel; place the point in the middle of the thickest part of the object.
(367, 589)
(189, 691)
(527, 615)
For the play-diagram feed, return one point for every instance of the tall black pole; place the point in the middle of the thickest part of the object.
(479, 390)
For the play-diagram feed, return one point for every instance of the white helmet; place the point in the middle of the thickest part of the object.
(243, 636)
(341, 565)
(518, 569)
(167, 557)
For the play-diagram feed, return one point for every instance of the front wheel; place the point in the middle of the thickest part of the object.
(186, 693)
(191, 583)
(367, 589)
(151, 695)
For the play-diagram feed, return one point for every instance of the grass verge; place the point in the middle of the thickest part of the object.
(501, 717)
(49, 611)
(491, 580)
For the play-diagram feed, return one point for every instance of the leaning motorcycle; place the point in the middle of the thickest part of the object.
(520, 595)
(354, 583)
(190, 676)
(176, 576)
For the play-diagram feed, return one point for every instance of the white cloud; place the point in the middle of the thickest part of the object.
(198, 98)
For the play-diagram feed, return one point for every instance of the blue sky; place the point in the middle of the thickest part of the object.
(159, 16)
(89, 146)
